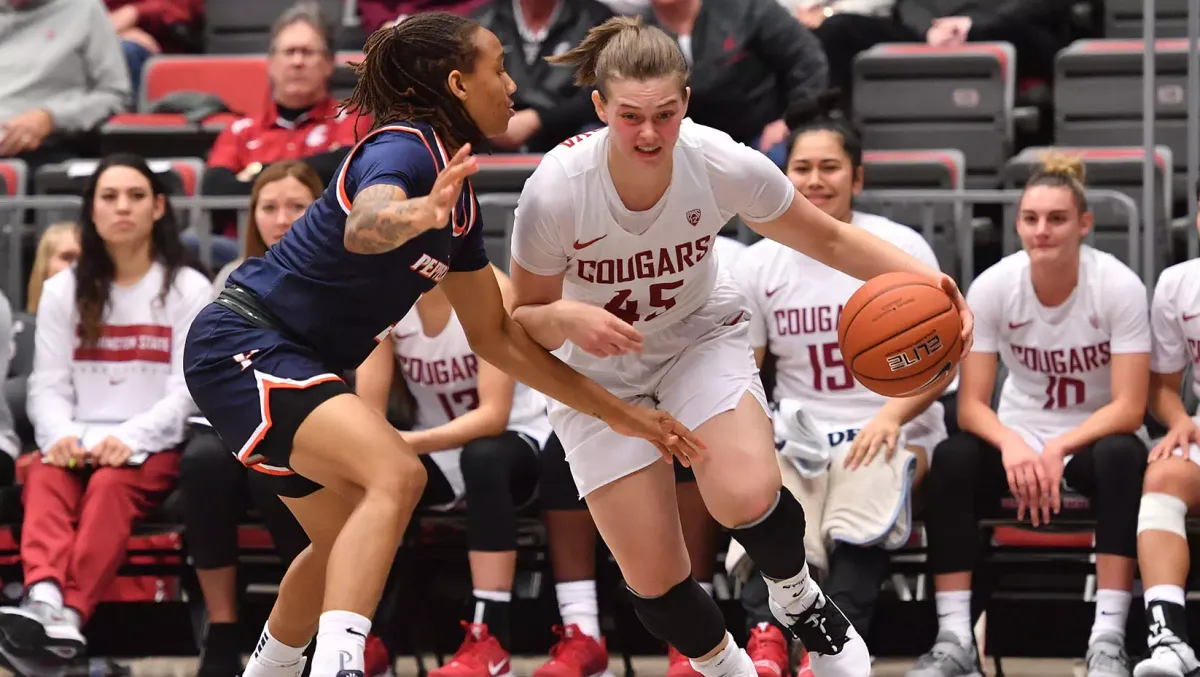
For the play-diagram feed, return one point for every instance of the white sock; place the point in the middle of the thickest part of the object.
(341, 640)
(1172, 594)
(796, 594)
(577, 605)
(954, 614)
(1112, 610)
(270, 655)
(46, 592)
(729, 662)
(707, 587)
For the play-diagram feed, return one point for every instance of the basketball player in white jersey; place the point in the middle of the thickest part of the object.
(1172, 484)
(478, 433)
(797, 321)
(612, 269)
(1070, 325)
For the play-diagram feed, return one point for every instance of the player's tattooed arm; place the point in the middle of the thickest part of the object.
(382, 218)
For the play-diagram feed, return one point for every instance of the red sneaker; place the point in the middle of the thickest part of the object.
(769, 651)
(678, 665)
(576, 654)
(804, 670)
(479, 656)
(377, 661)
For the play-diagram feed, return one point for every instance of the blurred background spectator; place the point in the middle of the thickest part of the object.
(751, 60)
(376, 14)
(10, 446)
(149, 27)
(549, 106)
(57, 250)
(64, 75)
(107, 400)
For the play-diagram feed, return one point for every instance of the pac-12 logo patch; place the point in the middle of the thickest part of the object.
(693, 216)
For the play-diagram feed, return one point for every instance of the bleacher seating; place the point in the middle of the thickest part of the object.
(159, 135)
(13, 175)
(181, 175)
(1098, 97)
(240, 81)
(909, 96)
(1118, 169)
(1123, 18)
(241, 27)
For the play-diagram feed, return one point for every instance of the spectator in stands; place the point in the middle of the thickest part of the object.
(813, 13)
(750, 59)
(216, 487)
(478, 434)
(57, 250)
(302, 122)
(64, 76)
(877, 446)
(1172, 484)
(149, 27)
(376, 14)
(1027, 24)
(107, 400)
(549, 106)
(10, 446)
(1070, 325)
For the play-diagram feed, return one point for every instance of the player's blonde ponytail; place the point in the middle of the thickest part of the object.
(624, 47)
(1062, 169)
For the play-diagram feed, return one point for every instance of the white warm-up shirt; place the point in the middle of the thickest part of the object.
(729, 251)
(442, 374)
(130, 383)
(796, 302)
(650, 268)
(1175, 321)
(1058, 359)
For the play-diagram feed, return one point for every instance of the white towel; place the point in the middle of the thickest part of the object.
(799, 439)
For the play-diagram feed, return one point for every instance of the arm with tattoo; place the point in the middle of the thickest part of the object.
(383, 218)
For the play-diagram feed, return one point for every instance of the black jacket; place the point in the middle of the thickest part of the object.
(752, 60)
(919, 14)
(548, 89)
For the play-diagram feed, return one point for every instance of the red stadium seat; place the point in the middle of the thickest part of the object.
(240, 81)
(13, 174)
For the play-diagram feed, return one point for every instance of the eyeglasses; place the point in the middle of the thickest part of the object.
(305, 52)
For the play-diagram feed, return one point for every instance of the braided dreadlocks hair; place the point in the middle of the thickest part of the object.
(404, 72)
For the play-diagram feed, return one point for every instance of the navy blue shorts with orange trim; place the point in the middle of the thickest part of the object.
(256, 387)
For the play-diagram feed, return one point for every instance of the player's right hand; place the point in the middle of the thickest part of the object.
(597, 331)
(661, 429)
(1027, 479)
(1180, 437)
(447, 187)
(64, 451)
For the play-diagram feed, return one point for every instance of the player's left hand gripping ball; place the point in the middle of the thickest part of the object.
(967, 317)
(659, 428)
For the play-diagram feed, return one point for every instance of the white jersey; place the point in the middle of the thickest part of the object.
(441, 372)
(1175, 321)
(1058, 359)
(729, 252)
(796, 302)
(649, 268)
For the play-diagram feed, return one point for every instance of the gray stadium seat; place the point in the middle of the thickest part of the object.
(911, 96)
(1118, 169)
(498, 183)
(1123, 18)
(241, 27)
(1098, 97)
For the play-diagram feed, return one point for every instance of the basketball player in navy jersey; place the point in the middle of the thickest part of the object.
(263, 362)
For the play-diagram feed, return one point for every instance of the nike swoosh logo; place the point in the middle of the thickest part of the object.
(352, 631)
(1189, 318)
(772, 292)
(497, 668)
(584, 245)
(1018, 325)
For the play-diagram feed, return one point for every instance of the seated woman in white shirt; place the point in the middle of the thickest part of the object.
(1070, 325)
(108, 404)
(1172, 485)
(479, 434)
(795, 323)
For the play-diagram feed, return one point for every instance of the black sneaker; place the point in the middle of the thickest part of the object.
(822, 628)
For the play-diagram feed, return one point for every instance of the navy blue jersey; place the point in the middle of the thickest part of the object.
(339, 303)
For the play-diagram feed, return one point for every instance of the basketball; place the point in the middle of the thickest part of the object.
(900, 334)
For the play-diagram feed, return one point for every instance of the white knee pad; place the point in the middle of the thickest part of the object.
(1162, 512)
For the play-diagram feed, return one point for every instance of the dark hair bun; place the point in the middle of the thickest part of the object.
(822, 108)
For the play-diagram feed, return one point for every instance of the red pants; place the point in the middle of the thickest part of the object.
(77, 526)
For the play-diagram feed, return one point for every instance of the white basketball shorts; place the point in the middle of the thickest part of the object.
(697, 368)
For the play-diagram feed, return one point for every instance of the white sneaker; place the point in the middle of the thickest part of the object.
(1169, 660)
(38, 630)
(835, 648)
(1106, 657)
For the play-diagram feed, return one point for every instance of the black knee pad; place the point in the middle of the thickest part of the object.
(686, 617)
(776, 542)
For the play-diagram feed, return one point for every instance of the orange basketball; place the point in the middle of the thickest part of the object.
(900, 334)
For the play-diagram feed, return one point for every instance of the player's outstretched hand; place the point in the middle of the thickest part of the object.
(967, 317)
(661, 429)
(597, 331)
(1178, 441)
(448, 186)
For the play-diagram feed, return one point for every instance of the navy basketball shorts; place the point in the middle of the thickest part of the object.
(256, 386)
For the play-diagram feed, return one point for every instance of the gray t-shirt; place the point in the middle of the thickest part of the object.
(9, 443)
